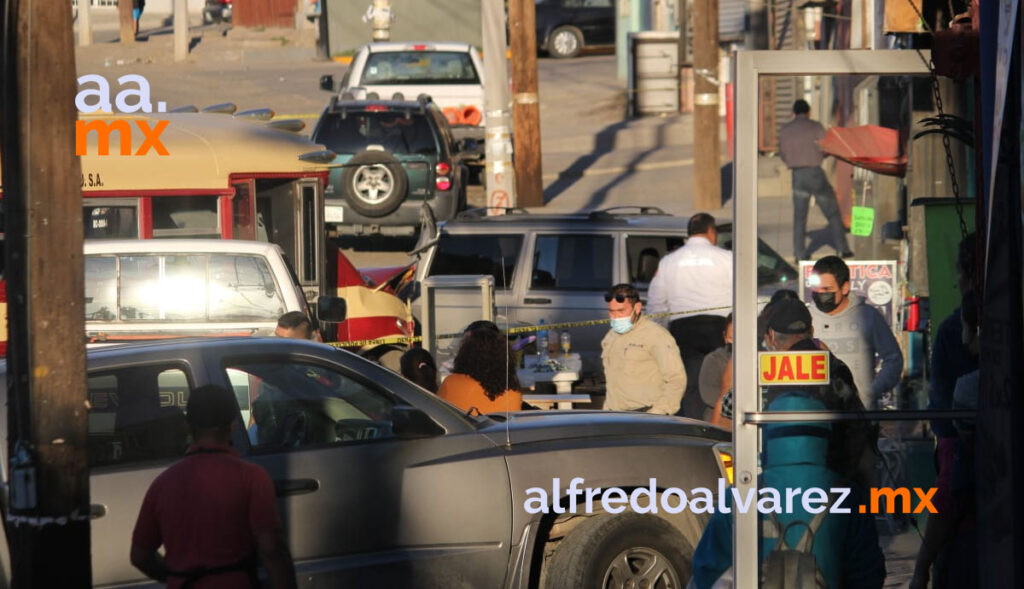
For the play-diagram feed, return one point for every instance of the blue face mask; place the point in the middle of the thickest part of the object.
(622, 325)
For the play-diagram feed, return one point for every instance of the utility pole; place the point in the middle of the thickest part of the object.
(323, 42)
(707, 189)
(498, 145)
(124, 12)
(180, 30)
(84, 23)
(48, 516)
(525, 104)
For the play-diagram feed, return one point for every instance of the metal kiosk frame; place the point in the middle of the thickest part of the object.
(749, 67)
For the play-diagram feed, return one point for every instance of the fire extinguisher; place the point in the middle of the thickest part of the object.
(912, 318)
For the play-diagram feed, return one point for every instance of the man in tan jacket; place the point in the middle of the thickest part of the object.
(642, 365)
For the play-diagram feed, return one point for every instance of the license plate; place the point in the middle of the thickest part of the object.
(334, 214)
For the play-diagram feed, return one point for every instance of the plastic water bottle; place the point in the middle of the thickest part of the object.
(542, 342)
(565, 343)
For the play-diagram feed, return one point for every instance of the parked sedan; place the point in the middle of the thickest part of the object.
(565, 27)
(382, 484)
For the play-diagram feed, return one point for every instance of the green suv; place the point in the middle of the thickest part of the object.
(394, 156)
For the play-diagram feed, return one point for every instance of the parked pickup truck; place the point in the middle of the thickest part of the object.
(156, 289)
(450, 73)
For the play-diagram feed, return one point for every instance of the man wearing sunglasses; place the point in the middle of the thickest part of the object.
(642, 366)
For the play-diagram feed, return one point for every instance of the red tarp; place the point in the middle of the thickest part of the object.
(870, 147)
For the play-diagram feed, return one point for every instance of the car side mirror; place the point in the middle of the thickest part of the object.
(327, 83)
(331, 309)
(409, 422)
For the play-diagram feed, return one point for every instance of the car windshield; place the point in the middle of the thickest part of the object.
(180, 287)
(420, 67)
(398, 132)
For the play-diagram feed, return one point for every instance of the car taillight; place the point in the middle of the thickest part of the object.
(443, 183)
(376, 108)
(419, 47)
(442, 168)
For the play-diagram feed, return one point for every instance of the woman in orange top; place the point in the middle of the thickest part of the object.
(484, 375)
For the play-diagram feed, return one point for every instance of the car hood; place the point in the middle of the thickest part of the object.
(543, 426)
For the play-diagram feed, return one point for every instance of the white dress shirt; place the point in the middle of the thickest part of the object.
(695, 276)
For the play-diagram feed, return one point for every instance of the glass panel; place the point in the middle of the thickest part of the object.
(478, 254)
(185, 216)
(643, 252)
(399, 132)
(295, 405)
(420, 67)
(576, 262)
(137, 414)
(243, 211)
(310, 235)
(100, 288)
(193, 288)
(242, 288)
(111, 222)
(167, 288)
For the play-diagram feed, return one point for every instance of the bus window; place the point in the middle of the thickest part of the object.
(111, 222)
(185, 216)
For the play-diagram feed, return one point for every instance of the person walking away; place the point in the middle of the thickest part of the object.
(855, 332)
(137, 7)
(695, 279)
(642, 367)
(799, 150)
(844, 546)
(483, 375)
(213, 512)
(419, 367)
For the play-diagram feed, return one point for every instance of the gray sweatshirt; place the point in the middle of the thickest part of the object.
(858, 336)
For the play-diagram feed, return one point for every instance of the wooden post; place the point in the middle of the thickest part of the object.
(84, 23)
(48, 517)
(707, 190)
(526, 107)
(124, 11)
(180, 30)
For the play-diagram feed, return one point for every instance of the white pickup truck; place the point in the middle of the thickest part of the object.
(450, 73)
(159, 288)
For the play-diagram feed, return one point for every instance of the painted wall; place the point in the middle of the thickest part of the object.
(415, 20)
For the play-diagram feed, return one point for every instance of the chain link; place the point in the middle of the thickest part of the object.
(950, 164)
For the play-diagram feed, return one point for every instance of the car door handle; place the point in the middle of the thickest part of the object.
(288, 487)
(97, 510)
(536, 301)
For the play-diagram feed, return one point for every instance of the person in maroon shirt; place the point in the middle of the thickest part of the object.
(214, 513)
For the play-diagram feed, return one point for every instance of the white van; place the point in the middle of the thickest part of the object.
(153, 289)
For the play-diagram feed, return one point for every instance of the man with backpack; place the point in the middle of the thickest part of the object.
(799, 549)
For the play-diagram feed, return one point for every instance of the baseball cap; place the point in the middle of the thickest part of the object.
(789, 316)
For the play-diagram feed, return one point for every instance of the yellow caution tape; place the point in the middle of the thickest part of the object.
(511, 331)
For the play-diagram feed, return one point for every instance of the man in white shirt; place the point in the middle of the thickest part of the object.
(695, 280)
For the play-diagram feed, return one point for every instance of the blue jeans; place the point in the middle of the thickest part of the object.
(809, 182)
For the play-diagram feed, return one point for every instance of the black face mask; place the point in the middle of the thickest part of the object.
(825, 301)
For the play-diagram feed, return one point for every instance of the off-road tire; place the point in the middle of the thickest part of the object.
(596, 553)
(374, 183)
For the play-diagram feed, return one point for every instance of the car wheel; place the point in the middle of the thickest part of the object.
(374, 183)
(619, 552)
(565, 42)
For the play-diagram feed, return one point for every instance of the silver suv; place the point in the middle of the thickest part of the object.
(556, 267)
